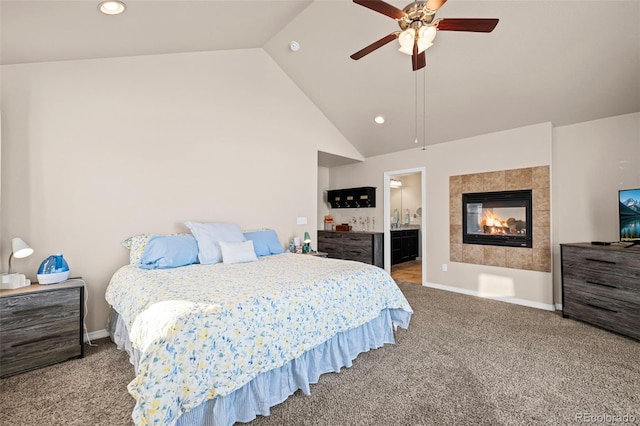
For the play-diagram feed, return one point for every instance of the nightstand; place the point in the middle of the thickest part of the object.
(40, 325)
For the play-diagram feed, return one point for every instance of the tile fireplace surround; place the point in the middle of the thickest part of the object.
(537, 258)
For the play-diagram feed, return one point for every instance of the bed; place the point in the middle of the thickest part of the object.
(215, 344)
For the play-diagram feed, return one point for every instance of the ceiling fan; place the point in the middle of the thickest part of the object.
(418, 27)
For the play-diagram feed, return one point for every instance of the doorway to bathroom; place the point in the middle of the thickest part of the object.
(405, 224)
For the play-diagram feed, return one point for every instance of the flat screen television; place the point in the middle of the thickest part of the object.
(629, 216)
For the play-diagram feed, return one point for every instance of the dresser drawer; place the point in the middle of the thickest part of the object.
(355, 254)
(328, 237)
(615, 315)
(333, 249)
(619, 263)
(602, 281)
(356, 240)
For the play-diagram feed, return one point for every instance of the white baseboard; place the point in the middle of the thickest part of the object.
(513, 300)
(94, 335)
(558, 306)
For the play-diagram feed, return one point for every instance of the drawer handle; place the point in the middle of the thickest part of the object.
(601, 284)
(601, 308)
(600, 261)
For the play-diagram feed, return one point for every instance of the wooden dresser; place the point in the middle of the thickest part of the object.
(40, 325)
(601, 286)
(364, 247)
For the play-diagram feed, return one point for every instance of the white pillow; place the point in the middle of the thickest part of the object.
(208, 236)
(237, 252)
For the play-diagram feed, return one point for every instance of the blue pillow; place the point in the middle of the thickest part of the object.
(169, 251)
(265, 242)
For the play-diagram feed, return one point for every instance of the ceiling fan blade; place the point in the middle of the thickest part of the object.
(435, 4)
(467, 24)
(382, 7)
(373, 46)
(418, 61)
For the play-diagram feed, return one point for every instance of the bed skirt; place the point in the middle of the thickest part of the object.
(275, 386)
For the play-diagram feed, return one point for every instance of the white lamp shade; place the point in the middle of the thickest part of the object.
(20, 248)
(406, 39)
(426, 34)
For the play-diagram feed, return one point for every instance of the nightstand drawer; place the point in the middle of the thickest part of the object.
(31, 310)
(42, 345)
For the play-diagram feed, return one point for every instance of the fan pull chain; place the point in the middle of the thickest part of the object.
(416, 110)
(424, 109)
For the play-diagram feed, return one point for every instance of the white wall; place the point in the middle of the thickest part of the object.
(518, 148)
(591, 162)
(96, 151)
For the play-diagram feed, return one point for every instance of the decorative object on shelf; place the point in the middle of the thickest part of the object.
(328, 223)
(54, 269)
(306, 248)
(10, 280)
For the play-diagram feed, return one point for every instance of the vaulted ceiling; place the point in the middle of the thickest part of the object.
(561, 61)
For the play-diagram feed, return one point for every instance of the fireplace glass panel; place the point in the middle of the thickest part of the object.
(497, 218)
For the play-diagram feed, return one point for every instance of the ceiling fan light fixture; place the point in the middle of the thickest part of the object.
(406, 40)
(426, 34)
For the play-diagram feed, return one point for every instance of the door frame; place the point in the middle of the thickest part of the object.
(423, 219)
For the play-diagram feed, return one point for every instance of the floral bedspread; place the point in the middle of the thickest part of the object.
(206, 330)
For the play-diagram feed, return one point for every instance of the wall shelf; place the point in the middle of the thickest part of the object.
(352, 197)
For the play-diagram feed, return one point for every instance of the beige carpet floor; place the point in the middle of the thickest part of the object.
(463, 361)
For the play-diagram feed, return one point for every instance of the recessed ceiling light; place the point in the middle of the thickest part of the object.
(378, 119)
(112, 7)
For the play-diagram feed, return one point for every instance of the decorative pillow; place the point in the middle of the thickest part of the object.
(169, 251)
(136, 245)
(265, 242)
(237, 252)
(209, 235)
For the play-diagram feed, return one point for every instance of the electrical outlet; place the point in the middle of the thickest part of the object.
(301, 220)
(444, 267)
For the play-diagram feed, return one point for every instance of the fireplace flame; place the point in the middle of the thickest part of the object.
(493, 225)
(491, 220)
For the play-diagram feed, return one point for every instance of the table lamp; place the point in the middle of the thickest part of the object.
(10, 280)
(306, 248)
